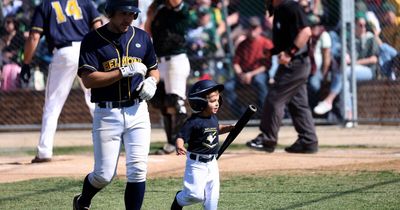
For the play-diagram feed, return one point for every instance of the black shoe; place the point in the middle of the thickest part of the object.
(76, 206)
(259, 143)
(175, 205)
(40, 160)
(298, 147)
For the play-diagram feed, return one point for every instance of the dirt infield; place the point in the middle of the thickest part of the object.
(363, 148)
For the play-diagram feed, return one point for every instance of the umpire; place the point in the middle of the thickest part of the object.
(291, 34)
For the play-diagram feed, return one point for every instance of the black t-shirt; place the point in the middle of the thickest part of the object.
(168, 29)
(201, 134)
(289, 19)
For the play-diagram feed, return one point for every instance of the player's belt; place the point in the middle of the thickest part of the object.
(169, 57)
(201, 158)
(67, 44)
(165, 58)
(300, 56)
(118, 104)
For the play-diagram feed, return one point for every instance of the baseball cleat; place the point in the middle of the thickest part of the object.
(75, 204)
(40, 160)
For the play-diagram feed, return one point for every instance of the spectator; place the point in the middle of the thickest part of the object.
(386, 57)
(202, 41)
(11, 7)
(11, 40)
(10, 75)
(215, 13)
(209, 61)
(365, 66)
(391, 27)
(252, 59)
(321, 44)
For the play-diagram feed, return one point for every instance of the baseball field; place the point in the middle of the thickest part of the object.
(355, 168)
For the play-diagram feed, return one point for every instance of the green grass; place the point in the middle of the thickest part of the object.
(361, 190)
(70, 150)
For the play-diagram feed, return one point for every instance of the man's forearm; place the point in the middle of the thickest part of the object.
(30, 46)
(302, 37)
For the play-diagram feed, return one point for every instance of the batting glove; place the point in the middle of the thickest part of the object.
(132, 69)
(147, 88)
(25, 74)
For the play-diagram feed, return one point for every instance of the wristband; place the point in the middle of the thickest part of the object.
(292, 51)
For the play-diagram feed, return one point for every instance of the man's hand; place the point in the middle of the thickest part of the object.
(246, 77)
(25, 74)
(132, 69)
(147, 88)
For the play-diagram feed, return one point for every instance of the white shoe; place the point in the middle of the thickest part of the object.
(322, 108)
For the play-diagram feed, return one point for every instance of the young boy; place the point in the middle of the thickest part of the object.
(200, 132)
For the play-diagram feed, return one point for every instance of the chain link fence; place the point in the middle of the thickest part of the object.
(217, 34)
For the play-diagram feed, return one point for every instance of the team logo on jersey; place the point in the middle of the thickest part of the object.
(212, 135)
(138, 45)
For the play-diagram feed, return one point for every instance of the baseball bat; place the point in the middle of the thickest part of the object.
(243, 120)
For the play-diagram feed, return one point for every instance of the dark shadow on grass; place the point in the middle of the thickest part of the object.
(335, 195)
(57, 188)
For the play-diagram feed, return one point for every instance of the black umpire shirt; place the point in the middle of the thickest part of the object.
(289, 19)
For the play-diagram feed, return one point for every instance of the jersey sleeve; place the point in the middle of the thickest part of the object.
(150, 59)
(87, 58)
(37, 22)
(93, 13)
(301, 20)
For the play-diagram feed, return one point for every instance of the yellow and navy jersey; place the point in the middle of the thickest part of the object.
(64, 21)
(103, 50)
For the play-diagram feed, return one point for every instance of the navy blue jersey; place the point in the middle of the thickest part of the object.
(201, 134)
(103, 50)
(64, 21)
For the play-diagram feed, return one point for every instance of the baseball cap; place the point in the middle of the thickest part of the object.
(201, 11)
(254, 22)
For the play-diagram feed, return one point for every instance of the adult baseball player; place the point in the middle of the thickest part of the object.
(200, 132)
(118, 62)
(64, 23)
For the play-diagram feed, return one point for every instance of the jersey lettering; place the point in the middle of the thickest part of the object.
(113, 63)
(72, 9)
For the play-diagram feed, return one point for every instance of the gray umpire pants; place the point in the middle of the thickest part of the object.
(289, 89)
